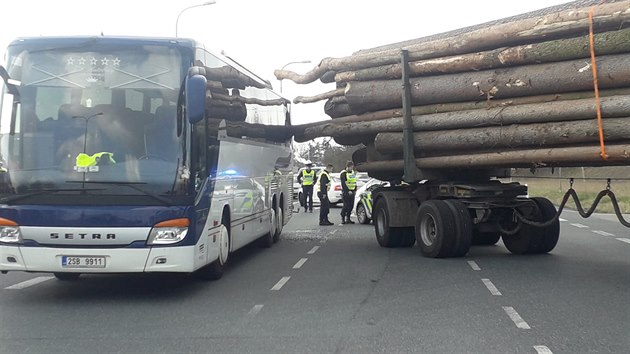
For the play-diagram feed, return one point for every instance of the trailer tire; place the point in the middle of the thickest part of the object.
(551, 233)
(463, 227)
(485, 238)
(436, 229)
(528, 238)
(406, 236)
(386, 236)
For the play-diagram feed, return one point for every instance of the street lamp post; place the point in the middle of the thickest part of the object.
(190, 7)
(293, 62)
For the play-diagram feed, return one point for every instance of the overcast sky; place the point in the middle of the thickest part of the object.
(263, 35)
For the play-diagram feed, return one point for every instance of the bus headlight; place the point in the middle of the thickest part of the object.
(168, 232)
(9, 231)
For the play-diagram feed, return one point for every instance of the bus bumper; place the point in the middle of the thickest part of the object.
(47, 259)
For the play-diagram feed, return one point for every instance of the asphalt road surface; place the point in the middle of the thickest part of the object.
(334, 290)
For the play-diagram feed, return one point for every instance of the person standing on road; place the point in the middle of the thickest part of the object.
(307, 178)
(348, 189)
(323, 185)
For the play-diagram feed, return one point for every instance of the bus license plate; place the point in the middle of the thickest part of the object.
(83, 262)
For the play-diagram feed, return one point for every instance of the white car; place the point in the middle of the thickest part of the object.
(363, 200)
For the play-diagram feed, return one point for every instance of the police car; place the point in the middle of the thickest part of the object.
(363, 200)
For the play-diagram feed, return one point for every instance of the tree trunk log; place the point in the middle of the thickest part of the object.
(614, 42)
(520, 81)
(337, 107)
(323, 96)
(614, 106)
(509, 136)
(551, 26)
(581, 156)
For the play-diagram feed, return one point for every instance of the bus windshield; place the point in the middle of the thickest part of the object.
(102, 117)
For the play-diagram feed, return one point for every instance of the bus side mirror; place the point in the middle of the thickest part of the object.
(195, 98)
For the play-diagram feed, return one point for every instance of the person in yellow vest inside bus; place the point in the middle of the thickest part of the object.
(323, 185)
(308, 179)
(348, 189)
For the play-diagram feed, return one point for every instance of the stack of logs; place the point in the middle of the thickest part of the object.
(515, 93)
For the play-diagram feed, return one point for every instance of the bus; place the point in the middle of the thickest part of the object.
(133, 155)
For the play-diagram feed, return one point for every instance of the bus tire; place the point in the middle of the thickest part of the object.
(67, 276)
(279, 224)
(266, 241)
(214, 270)
(436, 229)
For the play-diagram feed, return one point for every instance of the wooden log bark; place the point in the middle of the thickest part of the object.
(613, 106)
(561, 24)
(323, 96)
(580, 156)
(337, 107)
(613, 42)
(509, 137)
(528, 80)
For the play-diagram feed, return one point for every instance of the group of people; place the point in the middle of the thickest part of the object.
(321, 183)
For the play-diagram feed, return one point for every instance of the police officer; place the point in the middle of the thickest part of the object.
(323, 185)
(307, 178)
(348, 189)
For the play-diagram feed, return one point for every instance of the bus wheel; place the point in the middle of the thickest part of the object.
(67, 276)
(214, 270)
(279, 224)
(436, 229)
(267, 240)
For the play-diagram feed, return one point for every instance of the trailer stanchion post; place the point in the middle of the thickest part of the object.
(410, 174)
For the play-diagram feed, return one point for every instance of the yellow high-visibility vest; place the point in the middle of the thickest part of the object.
(85, 160)
(308, 178)
(351, 180)
(319, 181)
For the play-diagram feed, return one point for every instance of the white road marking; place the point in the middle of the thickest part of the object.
(473, 265)
(305, 231)
(26, 284)
(626, 240)
(334, 231)
(280, 283)
(561, 219)
(255, 310)
(542, 349)
(580, 226)
(493, 289)
(300, 263)
(313, 250)
(515, 317)
(603, 233)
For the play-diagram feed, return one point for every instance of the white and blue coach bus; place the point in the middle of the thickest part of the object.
(129, 155)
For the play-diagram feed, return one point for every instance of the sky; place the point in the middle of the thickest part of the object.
(263, 35)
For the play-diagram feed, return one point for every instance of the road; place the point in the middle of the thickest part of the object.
(334, 290)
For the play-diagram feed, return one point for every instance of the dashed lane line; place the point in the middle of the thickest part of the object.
(473, 265)
(580, 226)
(280, 283)
(626, 240)
(493, 289)
(561, 219)
(313, 250)
(603, 233)
(255, 310)
(30, 282)
(300, 263)
(542, 349)
(515, 317)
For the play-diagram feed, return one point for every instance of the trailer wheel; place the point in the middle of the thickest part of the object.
(406, 236)
(485, 238)
(385, 235)
(528, 238)
(551, 233)
(362, 214)
(463, 227)
(436, 229)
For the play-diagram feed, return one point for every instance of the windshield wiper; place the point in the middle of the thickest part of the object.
(131, 185)
(44, 191)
